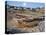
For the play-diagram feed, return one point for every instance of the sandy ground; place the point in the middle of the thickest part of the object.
(13, 26)
(26, 22)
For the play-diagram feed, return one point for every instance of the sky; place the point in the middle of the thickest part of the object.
(25, 4)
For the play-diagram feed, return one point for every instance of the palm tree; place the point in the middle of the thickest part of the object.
(33, 9)
(7, 5)
(22, 9)
(11, 6)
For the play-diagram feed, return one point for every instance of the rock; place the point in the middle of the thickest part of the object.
(42, 26)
